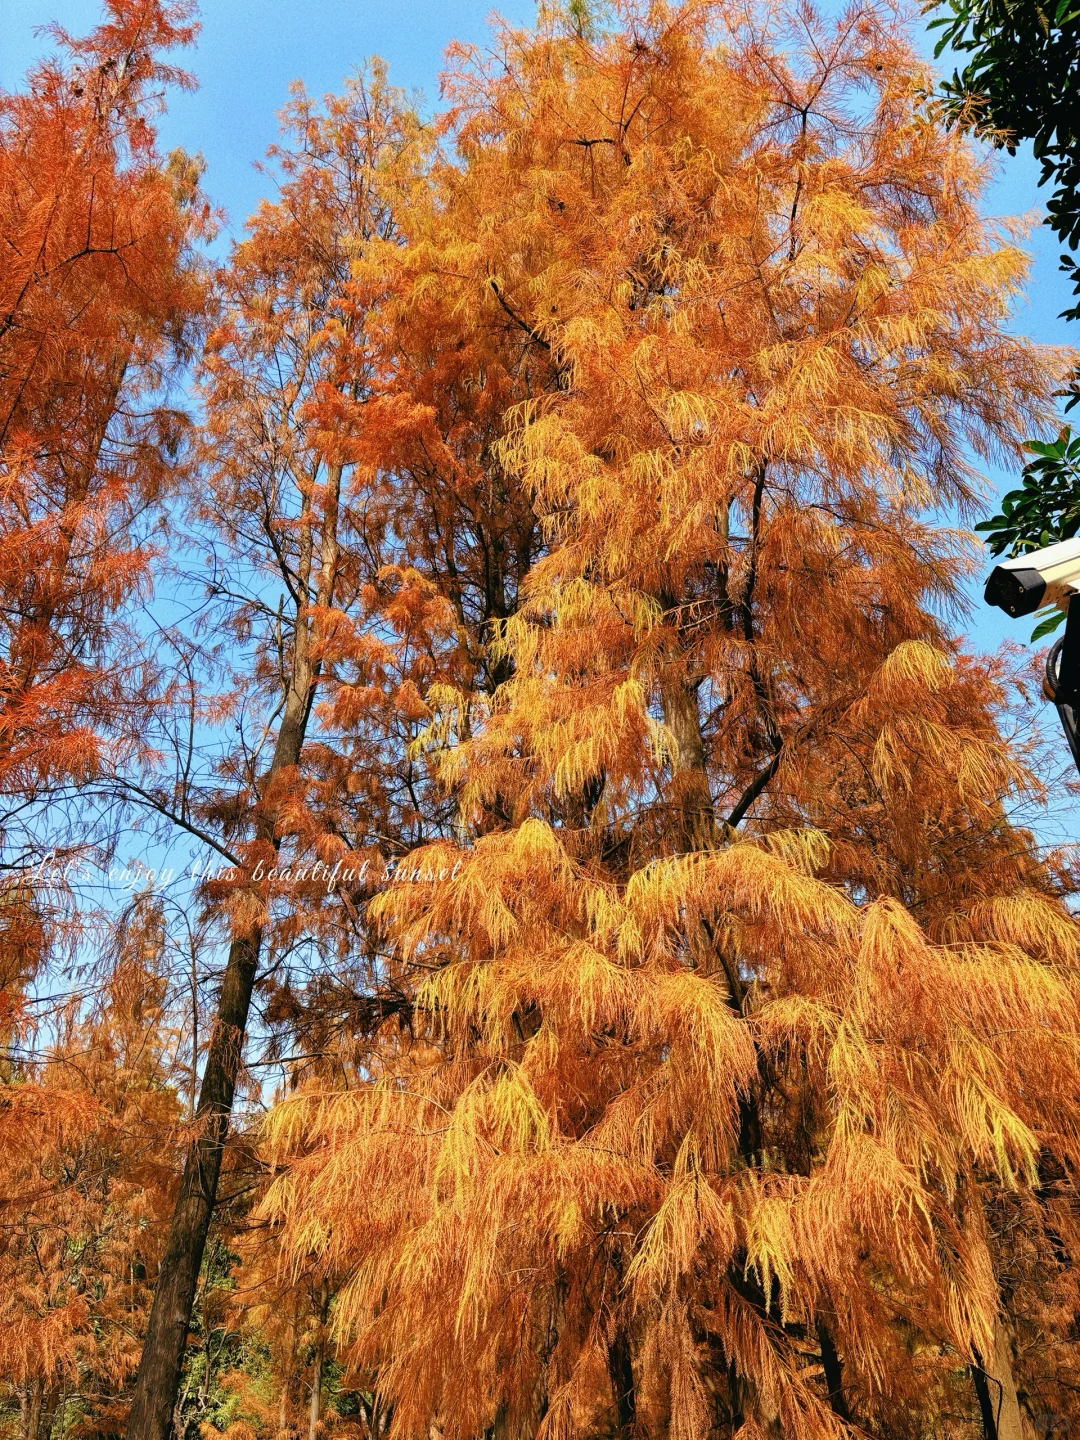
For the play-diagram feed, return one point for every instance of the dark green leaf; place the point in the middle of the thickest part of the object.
(1049, 624)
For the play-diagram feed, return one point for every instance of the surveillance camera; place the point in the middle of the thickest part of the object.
(1044, 577)
(1049, 577)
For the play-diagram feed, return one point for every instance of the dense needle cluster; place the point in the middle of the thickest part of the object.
(737, 1023)
(571, 477)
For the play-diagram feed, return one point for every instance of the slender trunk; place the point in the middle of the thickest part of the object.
(286, 1373)
(690, 779)
(37, 1410)
(54, 1404)
(995, 1389)
(31, 1409)
(834, 1372)
(315, 1409)
(699, 824)
(621, 1372)
(736, 1397)
(987, 1408)
(179, 1428)
(166, 1336)
(691, 797)
(322, 1315)
(178, 1276)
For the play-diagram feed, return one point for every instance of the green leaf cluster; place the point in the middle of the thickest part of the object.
(1021, 83)
(1044, 509)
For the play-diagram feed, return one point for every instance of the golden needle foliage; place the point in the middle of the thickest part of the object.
(712, 1062)
(745, 1015)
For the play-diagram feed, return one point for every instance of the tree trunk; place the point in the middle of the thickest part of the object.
(690, 779)
(834, 1372)
(178, 1276)
(286, 1373)
(322, 1314)
(995, 1389)
(31, 1409)
(37, 1410)
(174, 1295)
(315, 1409)
(621, 1371)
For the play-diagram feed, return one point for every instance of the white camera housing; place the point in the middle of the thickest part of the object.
(1043, 577)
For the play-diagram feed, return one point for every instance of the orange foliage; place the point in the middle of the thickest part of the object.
(746, 1017)
(596, 441)
(88, 1170)
(96, 288)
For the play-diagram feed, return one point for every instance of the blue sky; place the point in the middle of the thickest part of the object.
(250, 51)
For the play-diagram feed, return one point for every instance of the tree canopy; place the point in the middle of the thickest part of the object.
(619, 996)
